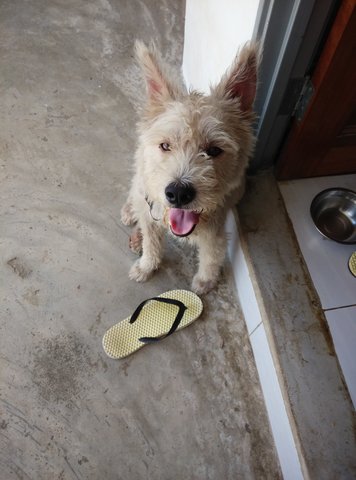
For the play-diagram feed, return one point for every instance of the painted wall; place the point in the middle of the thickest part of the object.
(214, 29)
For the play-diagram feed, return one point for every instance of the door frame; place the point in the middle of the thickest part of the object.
(292, 33)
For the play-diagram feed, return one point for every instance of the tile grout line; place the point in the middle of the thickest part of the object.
(339, 308)
(253, 331)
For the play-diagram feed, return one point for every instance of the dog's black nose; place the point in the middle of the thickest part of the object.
(178, 194)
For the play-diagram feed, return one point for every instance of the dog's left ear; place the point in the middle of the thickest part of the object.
(160, 87)
(240, 80)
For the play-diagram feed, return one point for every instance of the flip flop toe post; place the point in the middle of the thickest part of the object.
(153, 320)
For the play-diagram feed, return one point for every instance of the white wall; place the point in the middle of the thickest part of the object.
(214, 29)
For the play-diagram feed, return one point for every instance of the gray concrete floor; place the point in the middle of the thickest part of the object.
(189, 407)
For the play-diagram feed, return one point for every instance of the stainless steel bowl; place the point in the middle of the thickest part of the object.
(334, 214)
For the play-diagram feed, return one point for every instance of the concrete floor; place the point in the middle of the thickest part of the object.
(189, 407)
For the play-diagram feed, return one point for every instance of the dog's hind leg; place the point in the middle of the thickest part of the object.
(152, 243)
(212, 249)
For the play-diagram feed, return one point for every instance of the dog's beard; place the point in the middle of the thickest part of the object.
(182, 222)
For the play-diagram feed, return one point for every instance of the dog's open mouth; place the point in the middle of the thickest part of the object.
(183, 222)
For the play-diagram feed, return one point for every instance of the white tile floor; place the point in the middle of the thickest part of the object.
(342, 324)
(327, 262)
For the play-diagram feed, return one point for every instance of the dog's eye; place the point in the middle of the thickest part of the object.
(213, 151)
(165, 147)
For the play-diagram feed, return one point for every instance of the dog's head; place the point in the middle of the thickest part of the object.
(194, 148)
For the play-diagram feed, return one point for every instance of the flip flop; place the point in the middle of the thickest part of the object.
(154, 319)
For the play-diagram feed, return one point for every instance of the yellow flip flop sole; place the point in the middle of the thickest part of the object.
(153, 319)
(352, 264)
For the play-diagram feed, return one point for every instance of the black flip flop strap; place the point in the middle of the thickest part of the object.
(175, 324)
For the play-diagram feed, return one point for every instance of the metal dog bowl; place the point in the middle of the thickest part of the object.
(334, 214)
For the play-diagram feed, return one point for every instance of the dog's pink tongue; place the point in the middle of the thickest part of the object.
(182, 221)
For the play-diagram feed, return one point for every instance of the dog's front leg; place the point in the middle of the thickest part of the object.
(152, 240)
(212, 249)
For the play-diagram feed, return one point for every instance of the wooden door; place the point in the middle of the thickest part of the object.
(323, 142)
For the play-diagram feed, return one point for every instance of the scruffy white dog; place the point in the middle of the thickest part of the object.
(190, 163)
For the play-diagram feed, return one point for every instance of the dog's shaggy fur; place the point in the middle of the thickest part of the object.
(190, 163)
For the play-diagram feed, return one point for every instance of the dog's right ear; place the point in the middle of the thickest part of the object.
(159, 88)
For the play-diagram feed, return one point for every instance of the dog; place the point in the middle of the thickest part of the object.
(190, 163)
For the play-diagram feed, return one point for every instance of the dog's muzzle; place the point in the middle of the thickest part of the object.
(182, 221)
(179, 194)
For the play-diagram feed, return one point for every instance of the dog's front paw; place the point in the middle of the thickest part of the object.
(127, 215)
(202, 285)
(140, 273)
